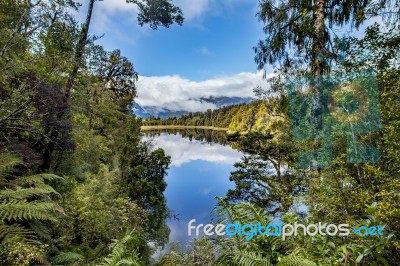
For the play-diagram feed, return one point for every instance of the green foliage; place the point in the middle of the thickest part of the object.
(249, 258)
(158, 13)
(25, 203)
(67, 258)
(200, 252)
(124, 252)
(295, 259)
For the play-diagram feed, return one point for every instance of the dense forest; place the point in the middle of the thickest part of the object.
(78, 186)
(254, 116)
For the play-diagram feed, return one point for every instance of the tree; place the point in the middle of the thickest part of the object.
(143, 175)
(118, 74)
(153, 12)
(266, 176)
(305, 29)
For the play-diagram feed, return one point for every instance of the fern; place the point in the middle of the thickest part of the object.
(123, 252)
(25, 193)
(173, 259)
(295, 259)
(15, 230)
(7, 163)
(67, 258)
(20, 210)
(38, 179)
(249, 258)
(40, 229)
(24, 201)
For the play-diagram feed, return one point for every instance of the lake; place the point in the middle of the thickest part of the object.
(201, 162)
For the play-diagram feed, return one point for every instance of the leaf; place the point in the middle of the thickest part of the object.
(359, 258)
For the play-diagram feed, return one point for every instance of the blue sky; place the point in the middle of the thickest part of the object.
(215, 40)
(209, 55)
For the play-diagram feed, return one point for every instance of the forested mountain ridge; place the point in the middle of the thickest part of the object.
(164, 113)
(258, 115)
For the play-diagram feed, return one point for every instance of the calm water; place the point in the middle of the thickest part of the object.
(199, 171)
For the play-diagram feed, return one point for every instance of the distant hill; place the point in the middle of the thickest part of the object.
(155, 111)
(226, 101)
(258, 115)
(163, 113)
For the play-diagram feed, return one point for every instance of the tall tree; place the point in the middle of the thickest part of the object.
(153, 12)
(305, 28)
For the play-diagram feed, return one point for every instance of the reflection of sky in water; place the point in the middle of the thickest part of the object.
(199, 171)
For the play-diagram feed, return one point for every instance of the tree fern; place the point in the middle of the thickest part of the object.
(38, 179)
(123, 252)
(9, 231)
(24, 193)
(250, 258)
(173, 258)
(7, 163)
(295, 259)
(66, 258)
(21, 210)
(24, 202)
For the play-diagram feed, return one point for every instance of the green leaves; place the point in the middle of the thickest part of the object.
(158, 13)
(20, 210)
(124, 252)
(296, 258)
(25, 202)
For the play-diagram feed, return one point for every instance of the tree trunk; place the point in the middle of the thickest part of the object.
(318, 46)
(79, 50)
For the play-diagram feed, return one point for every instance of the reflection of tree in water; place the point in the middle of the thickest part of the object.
(210, 136)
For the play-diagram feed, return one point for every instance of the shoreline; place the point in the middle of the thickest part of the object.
(145, 128)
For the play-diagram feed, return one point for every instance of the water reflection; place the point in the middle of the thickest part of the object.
(209, 136)
(199, 171)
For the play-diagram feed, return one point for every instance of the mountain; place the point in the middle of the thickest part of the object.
(162, 112)
(226, 101)
(155, 111)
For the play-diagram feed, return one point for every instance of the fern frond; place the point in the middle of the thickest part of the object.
(15, 230)
(250, 213)
(7, 162)
(18, 210)
(38, 179)
(122, 253)
(24, 193)
(295, 259)
(40, 229)
(172, 259)
(250, 258)
(67, 257)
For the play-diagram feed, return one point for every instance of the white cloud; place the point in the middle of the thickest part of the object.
(193, 9)
(206, 191)
(109, 15)
(176, 93)
(204, 51)
(188, 151)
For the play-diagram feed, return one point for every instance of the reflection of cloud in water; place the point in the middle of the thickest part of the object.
(183, 150)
